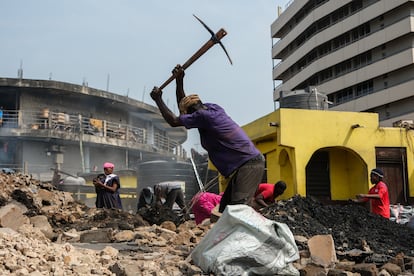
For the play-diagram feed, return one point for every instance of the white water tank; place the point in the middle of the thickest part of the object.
(303, 99)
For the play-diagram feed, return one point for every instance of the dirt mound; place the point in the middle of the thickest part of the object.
(159, 214)
(350, 225)
(63, 212)
(99, 218)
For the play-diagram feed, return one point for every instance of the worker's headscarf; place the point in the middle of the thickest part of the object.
(108, 165)
(148, 193)
(188, 101)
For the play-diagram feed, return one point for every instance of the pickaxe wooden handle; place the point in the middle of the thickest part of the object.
(213, 40)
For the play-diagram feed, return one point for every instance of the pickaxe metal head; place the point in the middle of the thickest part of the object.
(215, 38)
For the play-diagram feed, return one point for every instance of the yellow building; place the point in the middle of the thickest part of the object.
(329, 154)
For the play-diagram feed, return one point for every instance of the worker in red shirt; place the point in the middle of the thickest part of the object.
(378, 195)
(267, 193)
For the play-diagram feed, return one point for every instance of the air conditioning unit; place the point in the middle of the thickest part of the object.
(403, 123)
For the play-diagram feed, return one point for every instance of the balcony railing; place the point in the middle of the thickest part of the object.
(67, 123)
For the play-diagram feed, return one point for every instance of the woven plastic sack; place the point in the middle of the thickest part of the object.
(243, 242)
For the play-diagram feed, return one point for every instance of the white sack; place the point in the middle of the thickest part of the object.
(243, 242)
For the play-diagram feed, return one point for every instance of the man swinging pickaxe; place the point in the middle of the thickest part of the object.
(228, 147)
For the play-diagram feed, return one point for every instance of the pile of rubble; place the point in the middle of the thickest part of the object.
(46, 232)
(351, 225)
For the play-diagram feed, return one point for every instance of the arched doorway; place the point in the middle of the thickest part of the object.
(318, 183)
(335, 173)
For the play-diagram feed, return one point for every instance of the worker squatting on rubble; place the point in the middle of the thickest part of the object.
(378, 195)
(171, 192)
(267, 193)
(146, 198)
(107, 187)
(228, 146)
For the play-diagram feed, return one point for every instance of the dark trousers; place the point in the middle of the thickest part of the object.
(177, 196)
(243, 184)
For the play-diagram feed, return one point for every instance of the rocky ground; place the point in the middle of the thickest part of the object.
(45, 232)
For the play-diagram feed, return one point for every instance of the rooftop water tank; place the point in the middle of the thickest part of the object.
(303, 99)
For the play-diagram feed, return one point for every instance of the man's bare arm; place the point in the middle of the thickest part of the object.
(179, 74)
(169, 116)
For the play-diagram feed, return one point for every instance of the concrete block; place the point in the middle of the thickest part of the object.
(322, 250)
(11, 216)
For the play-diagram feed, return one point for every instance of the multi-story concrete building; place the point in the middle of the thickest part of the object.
(359, 53)
(48, 125)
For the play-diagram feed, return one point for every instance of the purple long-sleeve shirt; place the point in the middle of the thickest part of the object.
(227, 144)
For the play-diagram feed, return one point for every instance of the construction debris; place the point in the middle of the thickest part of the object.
(352, 226)
(46, 232)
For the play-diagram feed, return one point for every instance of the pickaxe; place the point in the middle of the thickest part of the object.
(215, 38)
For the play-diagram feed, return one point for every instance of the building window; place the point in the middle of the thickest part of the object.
(326, 74)
(356, 5)
(344, 95)
(323, 23)
(364, 88)
(351, 93)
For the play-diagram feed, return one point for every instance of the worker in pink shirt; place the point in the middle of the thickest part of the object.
(203, 203)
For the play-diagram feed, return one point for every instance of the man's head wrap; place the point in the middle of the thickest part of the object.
(378, 172)
(188, 101)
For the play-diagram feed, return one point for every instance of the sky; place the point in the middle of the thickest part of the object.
(129, 46)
